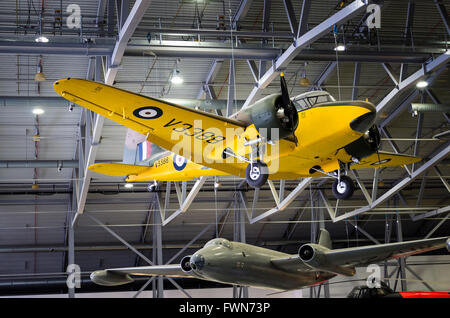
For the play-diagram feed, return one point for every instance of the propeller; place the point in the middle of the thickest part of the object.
(289, 109)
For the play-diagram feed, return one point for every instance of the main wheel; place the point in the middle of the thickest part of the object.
(257, 174)
(344, 188)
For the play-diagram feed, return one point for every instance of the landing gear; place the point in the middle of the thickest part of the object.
(343, 188)
(152, 187)
(256, 174)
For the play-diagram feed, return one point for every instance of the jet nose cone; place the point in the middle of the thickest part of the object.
(364, 122)
(197, 262)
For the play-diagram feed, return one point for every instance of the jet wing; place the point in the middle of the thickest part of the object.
(190, 133)
(376, 253)
(385, 159)
(120, 276)
(343, 260)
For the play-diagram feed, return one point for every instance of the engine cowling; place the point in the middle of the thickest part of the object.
(315, 256)
(365, 145)
(186, 264)
(271, 113)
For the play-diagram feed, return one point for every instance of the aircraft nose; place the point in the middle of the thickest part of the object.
(197, 262)
(364, 122)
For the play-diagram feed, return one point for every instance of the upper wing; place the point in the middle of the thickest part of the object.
(120, 276)
(349, 257)
(193, 134)
(385, 159)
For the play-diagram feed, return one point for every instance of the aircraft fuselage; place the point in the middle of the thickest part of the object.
(247, 265)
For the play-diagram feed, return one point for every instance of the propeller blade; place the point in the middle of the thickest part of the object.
(284, 90)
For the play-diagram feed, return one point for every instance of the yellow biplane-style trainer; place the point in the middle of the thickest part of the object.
(310, 135)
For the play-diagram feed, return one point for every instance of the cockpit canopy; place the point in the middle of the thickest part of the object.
(311, 99)
(219, 242)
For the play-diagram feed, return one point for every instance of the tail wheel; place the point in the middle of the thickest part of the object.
(257, 174)
(343, 189)
(151, 187)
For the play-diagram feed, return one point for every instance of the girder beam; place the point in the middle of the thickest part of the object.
(300, 43)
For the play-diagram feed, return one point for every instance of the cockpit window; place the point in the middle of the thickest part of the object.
(310, 99)
(219, 242)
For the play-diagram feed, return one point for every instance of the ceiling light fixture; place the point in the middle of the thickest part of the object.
(422, 84)
(128, 185)
(176, 78)
(340, 47)
(40, 76)
(38, 111)
(41, 39)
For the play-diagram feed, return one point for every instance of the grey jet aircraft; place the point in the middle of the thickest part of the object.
(242, 264)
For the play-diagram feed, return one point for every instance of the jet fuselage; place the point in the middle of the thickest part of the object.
(247, 265)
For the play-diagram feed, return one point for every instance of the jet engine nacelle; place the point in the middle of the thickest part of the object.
(186, 264)
(268, 113)
(315, 256)
(365, 145)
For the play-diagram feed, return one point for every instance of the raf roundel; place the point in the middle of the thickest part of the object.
(148, 112)
(179, 162)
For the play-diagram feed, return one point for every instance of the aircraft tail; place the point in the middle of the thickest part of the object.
(325, 239)
(138, 150)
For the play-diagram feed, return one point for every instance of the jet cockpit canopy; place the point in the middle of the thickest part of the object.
(219, 242)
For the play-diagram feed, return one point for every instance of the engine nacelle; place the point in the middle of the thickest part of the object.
(315, 256)
(269, 113)
(186, 264)
(365, 145)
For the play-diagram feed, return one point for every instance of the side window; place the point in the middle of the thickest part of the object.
(300, 104)
(322, 99)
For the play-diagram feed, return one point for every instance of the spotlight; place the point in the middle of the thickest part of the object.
(422, 84)
(128, 185)
(38, 111)
(71, 107)
(340, 47)
(217, 184)
(176, 78)
(41, 39)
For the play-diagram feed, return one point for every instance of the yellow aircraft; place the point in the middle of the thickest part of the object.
(277, 137)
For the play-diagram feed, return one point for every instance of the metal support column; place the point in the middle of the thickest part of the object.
(239, 236)
(71, 239)
(401, 261)
(157, 251)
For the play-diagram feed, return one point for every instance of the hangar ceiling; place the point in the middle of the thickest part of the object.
(36, 223)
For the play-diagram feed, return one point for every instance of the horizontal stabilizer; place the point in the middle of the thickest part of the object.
(117, 169)
(385, 159)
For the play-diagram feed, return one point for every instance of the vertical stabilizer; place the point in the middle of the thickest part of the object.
(139, 151)
(130, 150)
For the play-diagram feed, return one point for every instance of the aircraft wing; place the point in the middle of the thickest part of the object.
(385, 159)
(190, 133)
(342, 261)
(376, 253)
(117, 169)
(120, 276)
